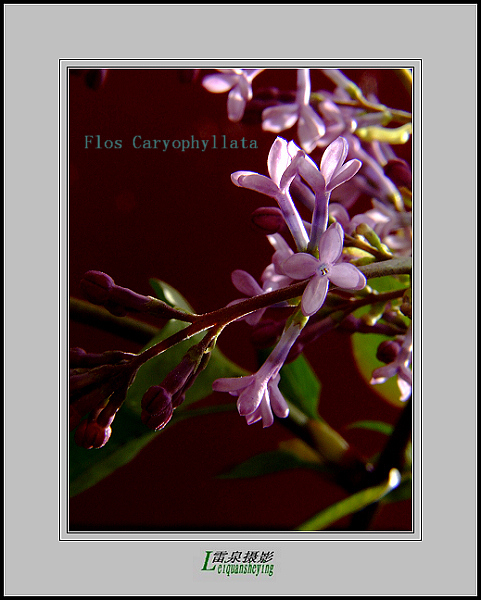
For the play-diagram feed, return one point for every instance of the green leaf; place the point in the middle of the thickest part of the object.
(351, 505)
(379, 426)
(129, 434)
(269, 462)
(170, 295)
(300, 386)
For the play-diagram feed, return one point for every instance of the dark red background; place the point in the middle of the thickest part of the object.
(137, 214)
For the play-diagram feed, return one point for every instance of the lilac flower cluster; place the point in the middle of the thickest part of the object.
(354, 163)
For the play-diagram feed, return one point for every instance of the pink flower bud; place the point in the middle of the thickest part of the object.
(76, 357)
(96, 286)
(387, 351)
(157, 407)
(269, 220)
(156, 400)
(90, 434)
(158, 421)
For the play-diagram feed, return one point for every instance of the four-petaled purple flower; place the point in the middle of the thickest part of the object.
(239, 82)
(272, 277)
(323, 269)
(258, 394)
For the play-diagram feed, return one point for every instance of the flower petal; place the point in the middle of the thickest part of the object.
(278, 160)
(245, 283)
(381, 374)
(347, 276)
(404, 387)
(279, 118)
(314, 295)
(310, 128)
(256, 182)
(311, 175)
(236, 104)
(255, 317)
(232, 384)
(250, 398)
(345, 173)
(330, 245)
(219, 83)
(333, 157)
(278, 402)
(300, 265)
(266, 411)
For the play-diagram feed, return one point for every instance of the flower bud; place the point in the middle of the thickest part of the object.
(80, 358)
(76, 356)
(387, 351)
(268, 219)
(96, 286)
(161, 404)
(156, 399)
(399, 172)
(177, 379)
(90, 434)
(178, 398)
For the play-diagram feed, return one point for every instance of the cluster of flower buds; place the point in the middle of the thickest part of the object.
(98, 386)
(159, 401)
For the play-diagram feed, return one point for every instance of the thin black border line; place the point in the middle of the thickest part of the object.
(67, 182)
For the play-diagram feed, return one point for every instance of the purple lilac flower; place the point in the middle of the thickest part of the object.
(258, 394)
(310, 127)
(239, 82)
(283, 163)
(332, 173)
(272, 277)
(399, 367)
(323, 269)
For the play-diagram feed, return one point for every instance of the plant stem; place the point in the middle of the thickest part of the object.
(228, 314)
(392, 456)
(125, 327)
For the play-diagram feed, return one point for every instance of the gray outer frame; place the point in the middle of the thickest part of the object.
(38, 560)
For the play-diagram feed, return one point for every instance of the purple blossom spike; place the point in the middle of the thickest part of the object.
(258, 395)
(323, 269)
(238, 82)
